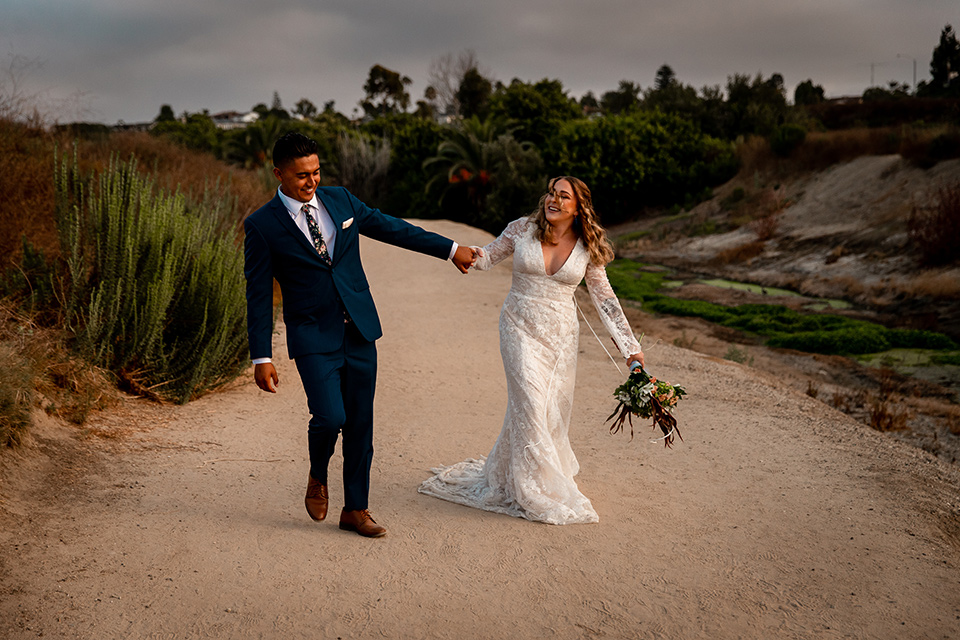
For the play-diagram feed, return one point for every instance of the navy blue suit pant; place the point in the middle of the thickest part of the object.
(340, 386)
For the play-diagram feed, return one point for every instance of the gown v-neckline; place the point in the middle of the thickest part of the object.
(543, 260)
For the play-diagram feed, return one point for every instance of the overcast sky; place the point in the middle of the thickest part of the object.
(128, 57)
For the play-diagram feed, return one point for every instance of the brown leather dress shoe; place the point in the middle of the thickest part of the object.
(317, 499)
(362, 522)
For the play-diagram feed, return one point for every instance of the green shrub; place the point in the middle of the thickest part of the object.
(688, 308)
(838, 341)
(638, 160)
(197, 132)
(913, 339)
(737, 195)
(952, 359)
(536, 109)
(412, 141)
(518, 183)
(153, 293)
(783, 327)
(740, 356)
(786, 138)
(631, 284)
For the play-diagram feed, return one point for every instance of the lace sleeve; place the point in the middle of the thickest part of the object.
(502, 247)
(611, 314)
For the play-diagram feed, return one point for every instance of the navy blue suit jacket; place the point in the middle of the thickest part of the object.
(315, 294)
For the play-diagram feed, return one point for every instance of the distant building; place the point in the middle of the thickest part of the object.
(844, 100)
(227, 120)
(132, 126)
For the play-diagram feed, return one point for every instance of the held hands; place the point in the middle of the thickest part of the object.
(265, 375)
(464, 257)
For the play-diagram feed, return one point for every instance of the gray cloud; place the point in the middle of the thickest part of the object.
(131, 56)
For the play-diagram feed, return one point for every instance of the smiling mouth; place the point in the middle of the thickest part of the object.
(553, 209)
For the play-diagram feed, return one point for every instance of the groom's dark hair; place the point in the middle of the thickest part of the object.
(293, 145)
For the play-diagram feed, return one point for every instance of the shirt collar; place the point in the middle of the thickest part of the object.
(294, 206)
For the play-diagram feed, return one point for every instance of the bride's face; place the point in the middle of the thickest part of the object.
(561, 203)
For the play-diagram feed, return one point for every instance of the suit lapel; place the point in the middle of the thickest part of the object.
(286, 221)
(338, 219)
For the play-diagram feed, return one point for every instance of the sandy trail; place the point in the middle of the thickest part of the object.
(775, 518)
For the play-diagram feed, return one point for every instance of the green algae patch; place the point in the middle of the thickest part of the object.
(780, 326)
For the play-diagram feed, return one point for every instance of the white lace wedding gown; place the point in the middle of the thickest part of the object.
(529, 473)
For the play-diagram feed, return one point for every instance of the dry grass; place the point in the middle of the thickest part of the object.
(766, 227)
(743, 253)
(822, 149)
(943, 284)
(852, 287)
(886, 415)
(885, 409)
(952, 421)
(849, 401)
(176, 167)
(936, 230)
(26, 191)
(39, 371)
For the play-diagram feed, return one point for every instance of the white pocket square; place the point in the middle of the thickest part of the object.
(346, 223)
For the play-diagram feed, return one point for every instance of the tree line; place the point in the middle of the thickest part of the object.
(479, 150)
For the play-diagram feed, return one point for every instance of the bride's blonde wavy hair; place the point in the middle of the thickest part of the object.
(585, 225)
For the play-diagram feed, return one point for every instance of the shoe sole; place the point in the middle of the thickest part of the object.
(347, 527)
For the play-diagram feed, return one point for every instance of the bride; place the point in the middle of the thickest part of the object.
(530, 471)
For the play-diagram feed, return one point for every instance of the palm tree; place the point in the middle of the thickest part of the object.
(463, 162)
(252, 146)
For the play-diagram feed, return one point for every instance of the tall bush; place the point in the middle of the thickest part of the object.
(786, 138)
(412, 141)
(364, 164)
(638, 160)
(152, 292)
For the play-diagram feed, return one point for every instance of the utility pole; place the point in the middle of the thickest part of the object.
(899, 55)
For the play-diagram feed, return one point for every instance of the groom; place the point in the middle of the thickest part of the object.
(307, 238)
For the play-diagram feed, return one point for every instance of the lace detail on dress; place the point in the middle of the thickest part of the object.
(501, 248)
(530, 471)
(611, 313)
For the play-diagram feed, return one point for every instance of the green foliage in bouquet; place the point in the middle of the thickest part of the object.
(646, 397)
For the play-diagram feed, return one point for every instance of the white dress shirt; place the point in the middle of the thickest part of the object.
(327, 228)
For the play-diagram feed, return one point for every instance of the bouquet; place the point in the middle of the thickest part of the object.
(646, 397)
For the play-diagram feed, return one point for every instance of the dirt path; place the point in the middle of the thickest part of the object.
(776, 517)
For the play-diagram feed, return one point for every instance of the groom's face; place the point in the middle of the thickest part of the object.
(299, 178)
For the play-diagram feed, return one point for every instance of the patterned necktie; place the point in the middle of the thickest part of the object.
(316, 236)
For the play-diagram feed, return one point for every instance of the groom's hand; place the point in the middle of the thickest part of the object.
(464, 257)
(266, 376)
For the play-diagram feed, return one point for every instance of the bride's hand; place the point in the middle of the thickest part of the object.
(637, 357)
(477, 253)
